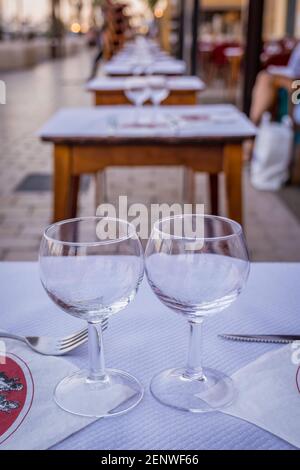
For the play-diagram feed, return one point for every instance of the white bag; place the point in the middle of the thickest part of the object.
(272, 154)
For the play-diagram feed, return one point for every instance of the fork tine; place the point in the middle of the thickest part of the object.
(72, 338)
(73, 345)
(78, 340)
(69, 348)
(76, 337)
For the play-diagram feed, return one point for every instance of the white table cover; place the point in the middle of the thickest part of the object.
(119, 83)
(148, 338)
(165, 67)
(180, 121)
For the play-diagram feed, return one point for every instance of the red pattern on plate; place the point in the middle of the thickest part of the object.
(16, 394)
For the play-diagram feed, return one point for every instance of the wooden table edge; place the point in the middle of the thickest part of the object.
(146, 141)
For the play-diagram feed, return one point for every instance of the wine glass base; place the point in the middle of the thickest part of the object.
(117, 394)
(213, 393)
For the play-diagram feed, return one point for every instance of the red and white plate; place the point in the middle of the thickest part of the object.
(16, 394)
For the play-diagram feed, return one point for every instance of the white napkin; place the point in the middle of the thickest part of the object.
(29, 417)
(269, 396)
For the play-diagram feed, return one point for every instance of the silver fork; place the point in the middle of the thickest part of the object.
(53, 346)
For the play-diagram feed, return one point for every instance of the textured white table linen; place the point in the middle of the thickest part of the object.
(164, 67)
(147, 338)
(175, 83)
(180, 121)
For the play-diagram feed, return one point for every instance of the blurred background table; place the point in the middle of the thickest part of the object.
(202, 138)
(111, 91)
(170, 67)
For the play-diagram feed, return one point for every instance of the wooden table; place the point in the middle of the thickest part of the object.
(111, 91)
(208, 139)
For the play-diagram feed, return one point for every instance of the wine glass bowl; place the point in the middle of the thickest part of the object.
(197, 266)
(92, 268)
(137, 91)
(159, 90)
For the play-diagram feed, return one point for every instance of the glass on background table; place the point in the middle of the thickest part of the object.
(138, 92)
(159, 92)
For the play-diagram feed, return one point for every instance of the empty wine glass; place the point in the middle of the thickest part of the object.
(137, 91)
(92, 268)
(197, 266)
(159, 90)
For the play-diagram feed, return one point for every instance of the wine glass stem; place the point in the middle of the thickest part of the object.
(96, 353)
(194, 369)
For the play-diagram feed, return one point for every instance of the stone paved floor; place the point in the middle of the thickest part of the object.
(33, 96)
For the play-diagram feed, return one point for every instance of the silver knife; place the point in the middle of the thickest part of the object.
(271, 339)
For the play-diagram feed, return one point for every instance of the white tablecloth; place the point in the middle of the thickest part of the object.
(148, 338)
(208, 121)
(175, 83)
(166, 67)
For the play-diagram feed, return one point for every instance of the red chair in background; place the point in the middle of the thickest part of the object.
(220, 66)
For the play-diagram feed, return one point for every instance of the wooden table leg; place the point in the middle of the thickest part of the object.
(66, 186)
(101, 196)
(214, 193)
(233, 163)
(74, 194)
(189, 186)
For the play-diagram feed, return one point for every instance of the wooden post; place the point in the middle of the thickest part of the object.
(253, 49)
(188, 33)
(195, 26)
(56, 31)
(181, 29)
(291, 17)
(1, 20)
(165, 28)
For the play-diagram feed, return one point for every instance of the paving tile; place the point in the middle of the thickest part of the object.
(8, 232)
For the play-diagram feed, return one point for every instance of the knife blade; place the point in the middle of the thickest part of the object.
(271, 339)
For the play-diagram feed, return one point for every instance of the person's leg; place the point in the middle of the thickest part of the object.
(96, 63)
(263, 98)
(264, 95)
